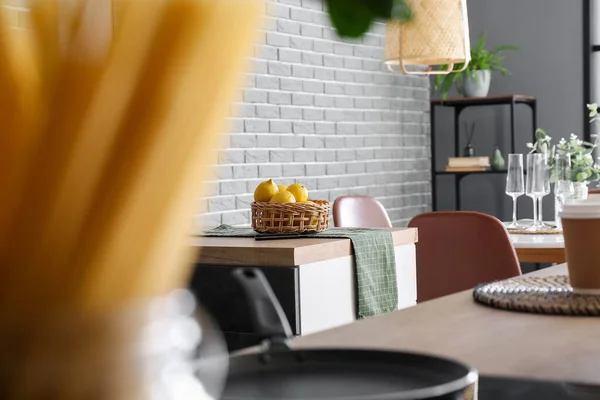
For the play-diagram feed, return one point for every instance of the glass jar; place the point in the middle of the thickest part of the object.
(580, 191)
(163, 349)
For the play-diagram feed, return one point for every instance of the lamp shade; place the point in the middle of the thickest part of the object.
(437, 35)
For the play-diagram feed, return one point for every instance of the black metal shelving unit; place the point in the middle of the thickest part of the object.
(459, 105)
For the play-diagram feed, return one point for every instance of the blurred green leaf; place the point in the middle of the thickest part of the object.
(540, 133)
(380, 8)
(401, 11)
(352, 18)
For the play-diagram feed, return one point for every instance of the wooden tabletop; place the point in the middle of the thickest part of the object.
(287, 252)
(495, 342)
(488, 100)
(539, 248)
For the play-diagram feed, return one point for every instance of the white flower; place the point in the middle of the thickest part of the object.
(529, 145)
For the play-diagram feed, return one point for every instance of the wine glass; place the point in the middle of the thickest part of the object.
(545, 192)
(514, 183)
(534, 184)
(563, 187)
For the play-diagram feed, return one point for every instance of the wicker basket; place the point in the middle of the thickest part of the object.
(290, 217)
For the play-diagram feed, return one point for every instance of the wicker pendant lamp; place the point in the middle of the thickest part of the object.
(437, 35)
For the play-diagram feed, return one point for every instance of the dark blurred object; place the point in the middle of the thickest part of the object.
(458, 250)
(468, 150)
(224, 299)
(352, 18)
(496, 388)
(281, 372)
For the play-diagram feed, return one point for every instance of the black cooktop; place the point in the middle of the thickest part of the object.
(494, 388)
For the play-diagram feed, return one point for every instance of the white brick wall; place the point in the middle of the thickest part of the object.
(326, 113)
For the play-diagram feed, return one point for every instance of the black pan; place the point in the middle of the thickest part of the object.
(279, 372)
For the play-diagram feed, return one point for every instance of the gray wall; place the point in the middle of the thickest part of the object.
(549, 65)
(326, 113)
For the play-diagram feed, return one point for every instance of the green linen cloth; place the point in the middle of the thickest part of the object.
(376, 288)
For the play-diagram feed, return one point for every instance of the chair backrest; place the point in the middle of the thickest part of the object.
(458, 250)
(360, 212)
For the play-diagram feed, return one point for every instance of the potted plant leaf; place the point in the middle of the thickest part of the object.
(583, 169)
(474, 81)
(352, 18)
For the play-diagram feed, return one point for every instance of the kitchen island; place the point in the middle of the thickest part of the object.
(312, 278)
(495, 342)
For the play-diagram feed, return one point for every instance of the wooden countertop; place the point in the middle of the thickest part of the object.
(539, 248)
(287, 252)
(493, 341)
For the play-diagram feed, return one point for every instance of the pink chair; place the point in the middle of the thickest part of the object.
(359, 212)
(458, 250)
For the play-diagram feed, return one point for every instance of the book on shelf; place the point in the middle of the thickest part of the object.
(468, 162)
(466, 169)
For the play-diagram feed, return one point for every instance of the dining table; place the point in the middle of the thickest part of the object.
(542, 247)
(539, 248)
(495, 342)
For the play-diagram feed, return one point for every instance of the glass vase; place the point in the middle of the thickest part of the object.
(580, 191)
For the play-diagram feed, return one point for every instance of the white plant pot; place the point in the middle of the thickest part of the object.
(580, 191)
(477, 83)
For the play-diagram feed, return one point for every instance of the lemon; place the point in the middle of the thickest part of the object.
(283, 197)
(308, 202)
(282, 188)
(265, 191)
(299, 191)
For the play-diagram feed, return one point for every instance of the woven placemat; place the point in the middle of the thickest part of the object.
(540, 295)
(550, 231)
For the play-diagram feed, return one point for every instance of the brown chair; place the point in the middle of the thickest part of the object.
(458, 250)
(359, 212)
(594, 191)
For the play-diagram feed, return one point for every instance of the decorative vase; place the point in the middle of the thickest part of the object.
(580, 191)
(477, 83)
(468, 151)
(497, 163)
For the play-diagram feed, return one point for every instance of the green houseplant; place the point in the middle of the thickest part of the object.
(583, 168)
(474, 81)
(352, 18)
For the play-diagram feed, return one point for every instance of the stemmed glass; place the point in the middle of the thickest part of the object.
(545, 192)
(534, 184)
(514, 183)
(563, 187)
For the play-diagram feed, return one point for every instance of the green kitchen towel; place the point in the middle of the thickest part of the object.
(376, 288)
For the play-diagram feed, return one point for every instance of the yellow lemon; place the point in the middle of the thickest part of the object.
(282, 188)
(265, 191)
(299, 191)
(283, 197)
(308, 202)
